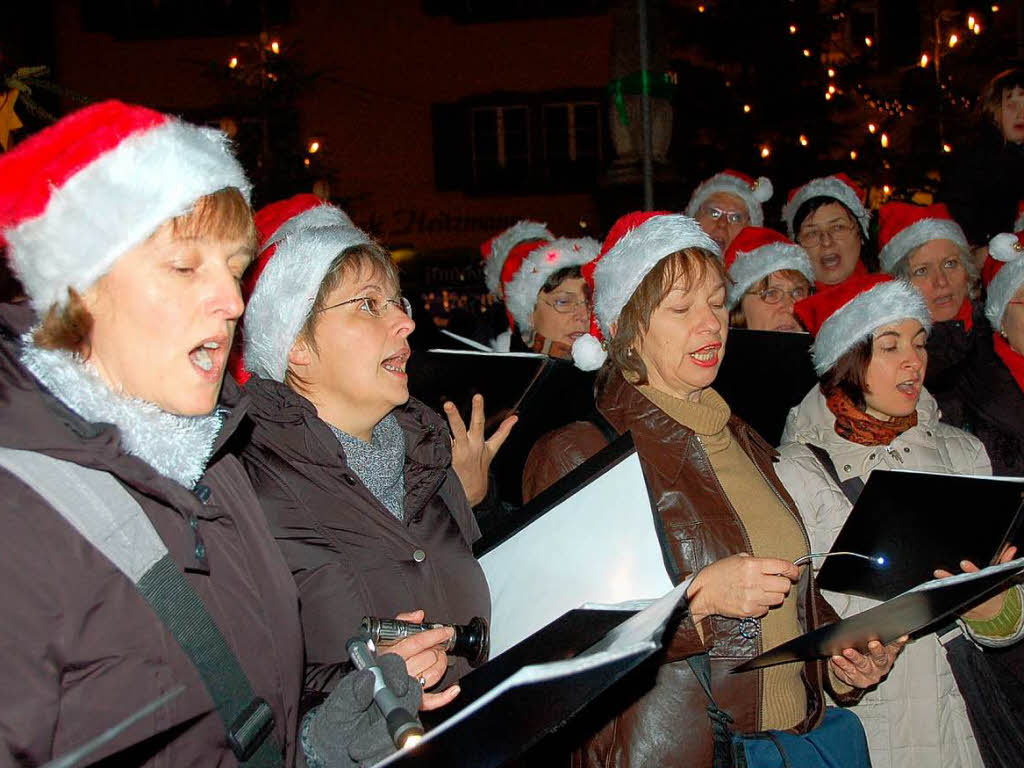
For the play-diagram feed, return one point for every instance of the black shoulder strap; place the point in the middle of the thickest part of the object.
(721, 721)
(851, 488)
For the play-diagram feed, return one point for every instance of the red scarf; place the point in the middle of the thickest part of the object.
(858, 269)
(965, 315)
(858, 427)
(1012, 359)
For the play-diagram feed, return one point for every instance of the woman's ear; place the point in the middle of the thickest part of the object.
(301, 354)
(613, 329)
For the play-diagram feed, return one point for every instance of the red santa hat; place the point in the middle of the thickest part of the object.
(496, 250)
(755, 253)
(753, 192)
(902, 227)
(542, 262)
(1003, 274)
(839, 187)
(634, 246)
(299, 239)
(79, 194)
(852, 311)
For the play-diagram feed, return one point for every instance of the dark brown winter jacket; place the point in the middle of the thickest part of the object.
(660, 718)
(350, 556)
(80, 650)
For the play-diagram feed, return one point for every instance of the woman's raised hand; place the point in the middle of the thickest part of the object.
(741, 586)
(991, 607)
(471, 453)
(426, 660)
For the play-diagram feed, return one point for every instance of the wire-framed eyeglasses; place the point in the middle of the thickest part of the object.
(816, 237)
(377, 306)
(566, 306)
(731, 217)
(774, 295)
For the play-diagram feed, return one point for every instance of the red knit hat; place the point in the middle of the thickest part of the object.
(755, 253)
(299, 239)
(902, 227)
(753, 192)
(1003, 274)
(850, 312)
(634, 246)
(839, 187)
(496, 250)
(79, 194)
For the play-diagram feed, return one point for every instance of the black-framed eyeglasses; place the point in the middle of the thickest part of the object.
(731, 217)
(816, 237)
(376, 305)
(567, 306)
(775, 295)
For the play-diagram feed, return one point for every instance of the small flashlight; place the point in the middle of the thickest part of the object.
(879, 560)
(403, 726)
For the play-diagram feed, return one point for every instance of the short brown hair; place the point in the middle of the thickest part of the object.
(739, 320)
(223, 214)
(689, 266)
(991, 103)
(352, 261)
(849, 374)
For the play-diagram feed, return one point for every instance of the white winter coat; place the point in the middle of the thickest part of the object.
(916, 718)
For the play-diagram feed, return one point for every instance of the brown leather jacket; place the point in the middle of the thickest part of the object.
(664, 721)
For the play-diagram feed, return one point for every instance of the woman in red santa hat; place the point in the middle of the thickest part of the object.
(357, 479)
(547, 299)
(727, 202)
(871, 411)
(660, 301)
(769, 274)
(135, 561)
(828, 218)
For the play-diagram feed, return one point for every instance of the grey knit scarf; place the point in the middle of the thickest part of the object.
(380, 463)
(176, 446)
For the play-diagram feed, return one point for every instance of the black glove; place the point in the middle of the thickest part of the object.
(348, 728)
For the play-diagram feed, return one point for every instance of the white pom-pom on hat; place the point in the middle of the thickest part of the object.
(1004, 247)
(763, 190)
(588, 353)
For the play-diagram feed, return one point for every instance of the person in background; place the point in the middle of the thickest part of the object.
(547, 299)
(769, 274)
(130, 231)
(981, 182)
(828, 218)
(503, 254)
(660, 301)
(871, 411)
(727, 202)
(355, 477)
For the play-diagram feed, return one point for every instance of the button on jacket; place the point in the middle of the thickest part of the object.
(658, 717)
(349, 555)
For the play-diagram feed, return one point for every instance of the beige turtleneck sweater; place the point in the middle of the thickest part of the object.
(771, 528)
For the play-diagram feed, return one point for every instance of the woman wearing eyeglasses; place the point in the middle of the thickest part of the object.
(547, 298)
(827, 217)
(769, 274)
(355, 477)
(726, 203)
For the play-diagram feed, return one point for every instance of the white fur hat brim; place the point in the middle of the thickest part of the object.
(1001, 290)
(732, 185)
(858, 319)
(624, 266)
(826, 187)
(114, 203)
(503, 243)
(543, 261)
(917, 234)
(753, 266)
(285, 293)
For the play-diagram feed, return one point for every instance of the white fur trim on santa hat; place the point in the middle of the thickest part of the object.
(1008, 280)
(285, 292)
(522, 291)
(624, 266)
(752, 266)
(888, 302)
(588, 354)
(114, 203)
(733, 185)
(917, 234)
(504, 242)
(827, 186)
(319, 216)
